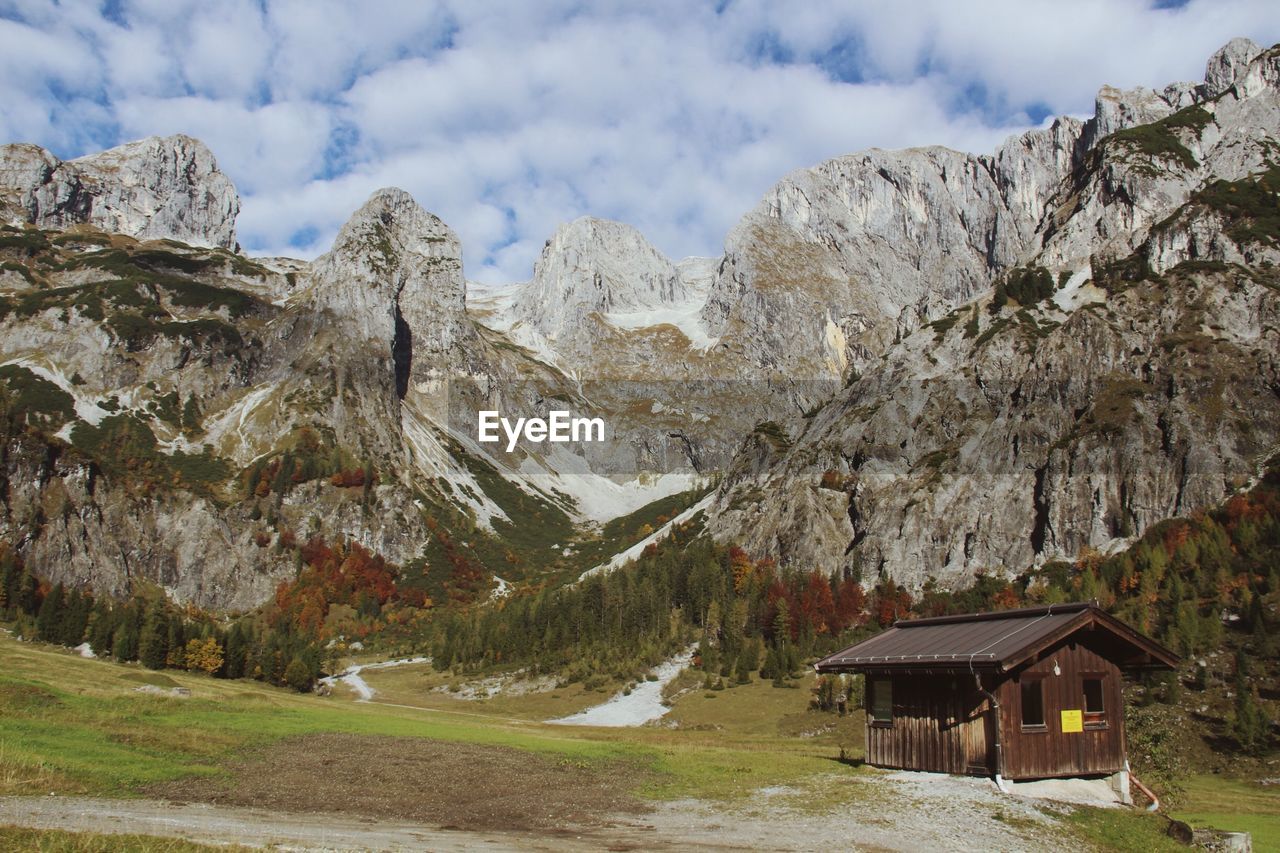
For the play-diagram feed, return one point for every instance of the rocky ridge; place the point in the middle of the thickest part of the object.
(156, 188)
(1138, 382)
(876, 406)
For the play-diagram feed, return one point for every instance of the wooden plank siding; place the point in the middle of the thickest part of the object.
(939, 724)
(1039, 754)
(942, 723)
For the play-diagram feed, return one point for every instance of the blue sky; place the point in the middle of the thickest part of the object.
(508, 119)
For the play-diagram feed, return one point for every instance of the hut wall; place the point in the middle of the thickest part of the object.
(939, 724)
(1032, 752)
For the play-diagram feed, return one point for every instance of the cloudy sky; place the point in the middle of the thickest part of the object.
(507, 119)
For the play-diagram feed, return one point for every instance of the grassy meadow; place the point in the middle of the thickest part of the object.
(75, 726)
(1212, 801)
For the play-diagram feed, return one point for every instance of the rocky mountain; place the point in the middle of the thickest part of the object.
(921, 363)
(156, 188)
(1123, 370)
(188, 416)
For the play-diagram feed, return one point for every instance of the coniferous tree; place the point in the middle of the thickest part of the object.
(102, 627)
(176, 642)
(233, 666)
(153, 640)
(76, 618)
(49, 620)
(1250, 726)
(191, 414)
(10, 578)
(745, 663)
(125, 640)
(28, 593)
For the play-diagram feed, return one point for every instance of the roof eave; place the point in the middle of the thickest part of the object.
(871, 666)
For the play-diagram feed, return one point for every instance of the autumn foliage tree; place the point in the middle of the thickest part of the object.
(204, 655)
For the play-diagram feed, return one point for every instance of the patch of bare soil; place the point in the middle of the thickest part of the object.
(447, 784)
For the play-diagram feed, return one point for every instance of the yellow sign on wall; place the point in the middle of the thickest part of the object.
(1072, 721)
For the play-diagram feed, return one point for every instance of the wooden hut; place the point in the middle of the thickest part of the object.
(1018, 694)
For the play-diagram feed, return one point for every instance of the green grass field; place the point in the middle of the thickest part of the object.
(76, 726)
(1212, 801)
(59, 841)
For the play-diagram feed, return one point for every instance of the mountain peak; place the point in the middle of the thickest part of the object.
(153, 188)
(388, 225)
(596, 265)
(1225, 65)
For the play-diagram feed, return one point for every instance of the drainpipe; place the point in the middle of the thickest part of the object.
(1155, 801)
(995, 709)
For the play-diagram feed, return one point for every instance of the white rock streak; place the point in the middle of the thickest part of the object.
(351, 676)
(642, 705)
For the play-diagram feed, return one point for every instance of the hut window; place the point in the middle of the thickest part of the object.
(1095, 712)
(1033, 703)
(881, 701)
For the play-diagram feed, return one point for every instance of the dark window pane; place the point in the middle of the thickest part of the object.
(1033, 702)
(1093, 696)
(881, 700)
(1095, 712)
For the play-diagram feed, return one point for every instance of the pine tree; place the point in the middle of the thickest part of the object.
(28, 593)
(191, 414)
(76, 618)
(745, 663)
(49, 621)
(124, 642)
(235, 655)
(176, 643)
(1250, 726)
(102, 627)
(10, 578)
(153, 640)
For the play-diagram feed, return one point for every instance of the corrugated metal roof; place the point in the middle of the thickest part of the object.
(983, 643)
(981, 640)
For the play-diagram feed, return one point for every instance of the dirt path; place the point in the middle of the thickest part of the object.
(261, 828)
(467, 786)
(351, 675)
(883, 812)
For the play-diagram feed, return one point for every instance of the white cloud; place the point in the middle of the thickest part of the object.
(279, 146)
(508, 119)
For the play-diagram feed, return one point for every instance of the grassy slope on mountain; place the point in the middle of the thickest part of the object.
(77, 726)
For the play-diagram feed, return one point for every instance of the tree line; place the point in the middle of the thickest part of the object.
(151, 630)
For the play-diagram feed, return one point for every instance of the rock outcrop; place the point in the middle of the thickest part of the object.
(159, 187)
(595, 266)
(1002, 435)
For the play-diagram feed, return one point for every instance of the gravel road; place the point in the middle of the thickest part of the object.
(888, 812)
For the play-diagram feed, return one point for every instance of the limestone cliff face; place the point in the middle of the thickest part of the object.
(159, 187)
(596, 266)
(1141, 386)
(841, 260)
(923, 363)
(176, 352)
(393, 281)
